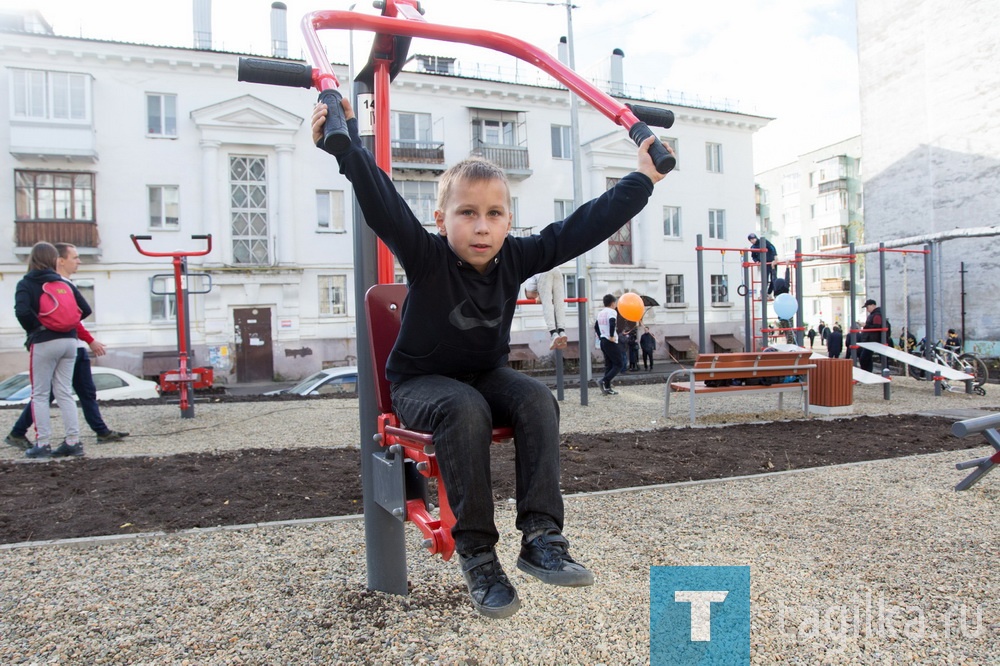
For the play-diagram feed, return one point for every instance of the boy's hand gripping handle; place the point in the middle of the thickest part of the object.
(661, 157)
(336, 140)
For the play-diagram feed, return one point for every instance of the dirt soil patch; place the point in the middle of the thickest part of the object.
(105, 496)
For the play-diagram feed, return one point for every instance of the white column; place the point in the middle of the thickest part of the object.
(284, 223)
(211, 214)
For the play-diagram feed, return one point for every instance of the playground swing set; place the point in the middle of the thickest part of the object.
(397, 462)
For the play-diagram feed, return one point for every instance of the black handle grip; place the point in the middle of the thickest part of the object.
(133, 236)
(272, 72)
(336, 140)
(661, 157)
(201, 236)
(652, 115)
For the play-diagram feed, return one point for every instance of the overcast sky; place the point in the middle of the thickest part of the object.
(792, 60)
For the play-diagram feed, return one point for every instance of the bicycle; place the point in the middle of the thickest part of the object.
(967, 363)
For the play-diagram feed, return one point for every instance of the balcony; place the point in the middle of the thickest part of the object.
(834, 285)
(74, 142)
(832, 186)
(512, 159)
(418, 155)
(80, 234)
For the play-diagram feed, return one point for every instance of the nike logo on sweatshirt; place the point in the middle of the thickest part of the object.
(463, 323)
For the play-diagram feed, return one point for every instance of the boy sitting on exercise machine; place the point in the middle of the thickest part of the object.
(448, 367)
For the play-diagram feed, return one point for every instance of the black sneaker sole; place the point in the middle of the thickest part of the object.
(498, 613)
(581, 578)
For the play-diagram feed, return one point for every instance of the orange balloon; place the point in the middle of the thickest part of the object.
(631, 307)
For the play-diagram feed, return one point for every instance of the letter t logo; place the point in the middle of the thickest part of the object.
(701, 610)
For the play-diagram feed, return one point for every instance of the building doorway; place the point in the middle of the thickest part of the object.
(254, 354)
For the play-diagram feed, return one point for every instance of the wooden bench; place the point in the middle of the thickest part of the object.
(743, 366)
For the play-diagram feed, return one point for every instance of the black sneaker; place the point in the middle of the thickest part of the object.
(604, 389)
(610, 391)
(546, 557)
(18, 441)
(38, 452)
(491, 591)
(111, 436)
(65, 450)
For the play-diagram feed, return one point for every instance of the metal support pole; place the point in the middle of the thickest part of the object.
(188, 411)
(928, 303)
(701, 296)
(385, 544)
(747, 302)
(800, 321)
(854, 295)
(764, 282)
(581, 308)
(887, 387)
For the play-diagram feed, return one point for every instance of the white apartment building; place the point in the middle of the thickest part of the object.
(819, 200)
(930, 120)
(104, 139)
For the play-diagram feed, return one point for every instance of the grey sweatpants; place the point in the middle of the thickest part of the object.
(52, 372)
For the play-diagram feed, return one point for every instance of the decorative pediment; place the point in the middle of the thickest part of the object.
(246, 119)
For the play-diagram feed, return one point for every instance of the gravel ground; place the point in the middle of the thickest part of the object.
(887, 546)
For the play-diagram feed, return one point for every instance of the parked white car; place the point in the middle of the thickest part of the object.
(111, 384)
(331, 380)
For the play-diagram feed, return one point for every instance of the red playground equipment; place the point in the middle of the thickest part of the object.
(393, 473)
(184, 379)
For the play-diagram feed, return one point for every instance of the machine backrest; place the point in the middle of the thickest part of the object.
(383, 307)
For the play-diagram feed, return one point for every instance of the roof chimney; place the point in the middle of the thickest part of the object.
(203, 24)
(279, 30)
(617, 77)
(563, 52)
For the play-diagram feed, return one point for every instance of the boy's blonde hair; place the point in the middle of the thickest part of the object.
(473, 169)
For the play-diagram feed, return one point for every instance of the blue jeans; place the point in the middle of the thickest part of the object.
(614, 361)
(461, 413)
(83, 384)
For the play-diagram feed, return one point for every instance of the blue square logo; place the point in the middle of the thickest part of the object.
(699, 615)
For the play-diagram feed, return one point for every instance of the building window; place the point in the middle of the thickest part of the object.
(833, 237)
(562, 142)
(41, 95)
(713, 157)
(675, 289)
(86, 288)
(161, 114)
(672, 143)
(563, 208)
(163, 299)
(330, 210)
(164, 206)
(248, 210)
(620, 243)
(570, 281)
(672, 221)
(716, 223)
(54, 195)
(720, 288)
(500, 131)
(332, 295)
(420, 196)
(789, 183)
(411, 127)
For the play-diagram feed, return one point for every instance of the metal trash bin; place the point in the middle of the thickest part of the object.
(831, 386)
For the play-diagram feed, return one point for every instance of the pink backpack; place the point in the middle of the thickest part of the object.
(57, 308)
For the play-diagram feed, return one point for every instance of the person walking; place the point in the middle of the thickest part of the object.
(52, 354)
(835, 342)
(812, 337)
(607, 333)
(870, 333)
(67, 264)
